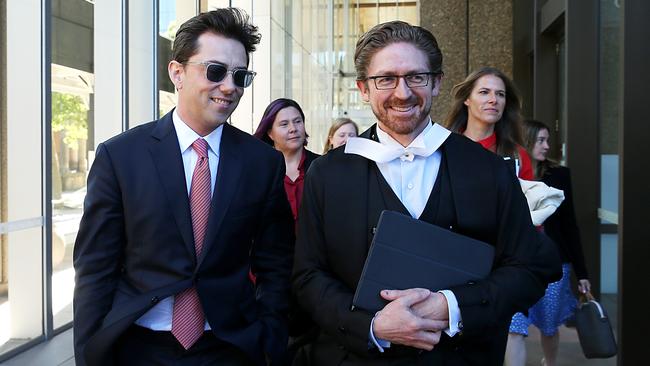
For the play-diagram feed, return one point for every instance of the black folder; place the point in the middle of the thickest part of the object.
(408, 253)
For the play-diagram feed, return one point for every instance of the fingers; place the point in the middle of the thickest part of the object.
(433, 325)
(584, 286)
(408, 297)
(425, 340)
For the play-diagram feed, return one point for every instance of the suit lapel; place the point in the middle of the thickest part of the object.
(375, 202)
(467, 184)
(166, 154)
(228, 173)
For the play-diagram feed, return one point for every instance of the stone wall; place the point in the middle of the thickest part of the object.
(471, 34)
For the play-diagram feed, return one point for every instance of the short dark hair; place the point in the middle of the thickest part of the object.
(385, 34)
(268, 118)
(229, 22)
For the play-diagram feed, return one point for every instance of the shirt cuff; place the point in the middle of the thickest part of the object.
(455, 319)
(379, 343)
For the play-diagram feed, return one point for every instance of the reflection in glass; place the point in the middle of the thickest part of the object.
(610, 48)
(73, 85)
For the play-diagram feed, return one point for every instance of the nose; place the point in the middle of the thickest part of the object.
(492, 98)
(292, 127)
(227, 85)
(546, 145)
(402, 90)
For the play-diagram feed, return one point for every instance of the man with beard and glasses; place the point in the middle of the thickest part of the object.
(409, 164)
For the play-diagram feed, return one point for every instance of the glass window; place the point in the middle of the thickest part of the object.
(21, 176)
(610, 100)
(171, 14)
(72, 120)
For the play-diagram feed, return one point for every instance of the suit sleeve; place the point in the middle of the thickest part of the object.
(318, 290)
(271, 260)
(97, 251)
(525, 262)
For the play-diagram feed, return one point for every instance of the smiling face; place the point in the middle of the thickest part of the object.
(487, 100)
(342, 134)
(288, 130)
(540, 150)
(401, 112)
(202, 104)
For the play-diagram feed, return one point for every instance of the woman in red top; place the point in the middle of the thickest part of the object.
(486, 108)
(283, 127)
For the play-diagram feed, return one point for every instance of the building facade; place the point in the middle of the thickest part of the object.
(73, 73)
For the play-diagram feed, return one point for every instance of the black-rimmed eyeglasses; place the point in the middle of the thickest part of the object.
(384, 82)
(217, 72)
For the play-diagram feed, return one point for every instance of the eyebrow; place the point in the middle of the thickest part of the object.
(486, 88)
(287, 119)
(393, 73)
(225, 64)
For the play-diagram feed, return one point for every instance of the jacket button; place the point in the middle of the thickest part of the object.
(471, 283)
(154, 300)
(342, 329)
(484, 301)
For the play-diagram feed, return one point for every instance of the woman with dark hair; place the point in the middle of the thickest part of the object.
(283, 127)
(558, 303)
(340, 131)
(486, 108)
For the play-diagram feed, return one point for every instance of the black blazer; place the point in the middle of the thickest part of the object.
(561, 226)
(309, 158)
(335, 227)
(135, 244)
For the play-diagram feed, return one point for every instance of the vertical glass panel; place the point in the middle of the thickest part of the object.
(167, 27)
(72, 120)
(277, 59)
(610, 23)
(207, 5)
(21, 297)
(21, 174)
(171, 14)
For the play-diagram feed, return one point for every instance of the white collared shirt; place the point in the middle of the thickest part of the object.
(412, 180)
(159, 317)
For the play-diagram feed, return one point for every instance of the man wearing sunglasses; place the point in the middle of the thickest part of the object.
(178, 212)
(407, 163)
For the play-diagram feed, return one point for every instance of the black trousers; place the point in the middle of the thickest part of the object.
(141, 346)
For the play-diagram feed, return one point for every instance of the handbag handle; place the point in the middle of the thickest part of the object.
(588, 297)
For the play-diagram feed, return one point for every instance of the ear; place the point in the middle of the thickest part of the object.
(176, 73)
(362, 85)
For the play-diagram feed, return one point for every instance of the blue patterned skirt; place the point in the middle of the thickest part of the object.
(551, 311)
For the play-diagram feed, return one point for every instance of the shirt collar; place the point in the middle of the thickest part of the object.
(388, 149)
(187, 136)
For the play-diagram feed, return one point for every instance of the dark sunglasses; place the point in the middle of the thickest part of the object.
(217, 72)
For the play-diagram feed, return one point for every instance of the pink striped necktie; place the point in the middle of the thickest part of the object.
(188, 319)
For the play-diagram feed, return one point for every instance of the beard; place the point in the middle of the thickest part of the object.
(407, 124)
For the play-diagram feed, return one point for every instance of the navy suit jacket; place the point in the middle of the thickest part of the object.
(135, 244)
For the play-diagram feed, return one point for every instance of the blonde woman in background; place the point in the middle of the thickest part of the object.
(341, 130)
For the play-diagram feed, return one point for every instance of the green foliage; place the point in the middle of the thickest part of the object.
(69, 114)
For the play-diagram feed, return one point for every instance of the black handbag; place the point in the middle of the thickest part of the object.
(594, 330)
